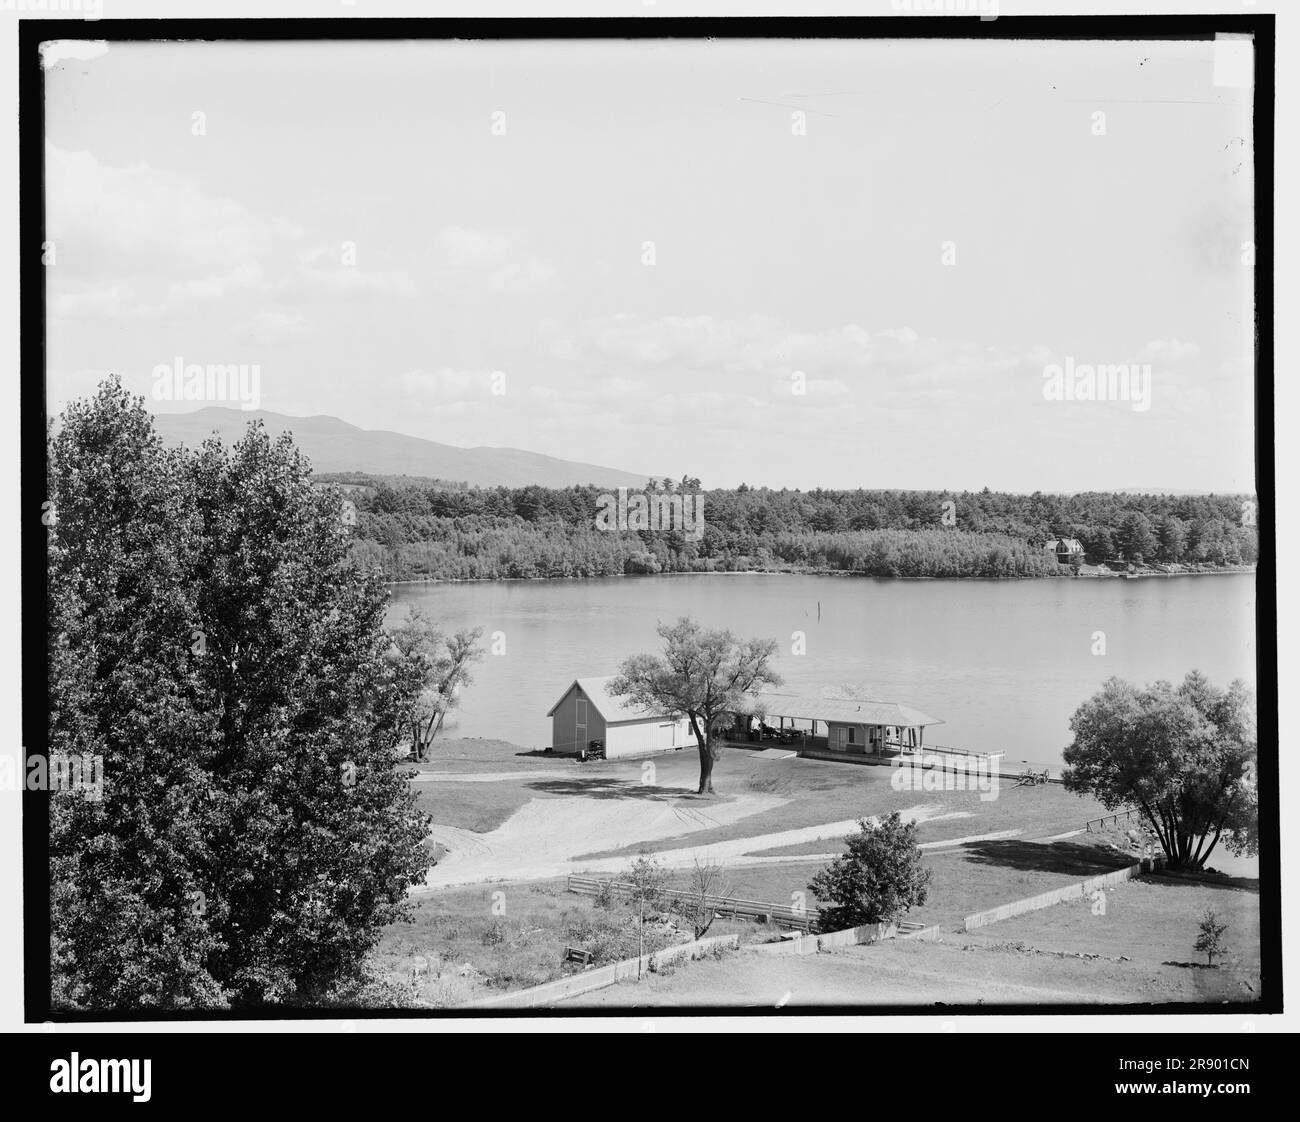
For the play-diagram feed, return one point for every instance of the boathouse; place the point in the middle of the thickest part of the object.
(834, 723)
(587, 711)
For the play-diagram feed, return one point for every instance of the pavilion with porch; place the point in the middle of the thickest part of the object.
(833, 724)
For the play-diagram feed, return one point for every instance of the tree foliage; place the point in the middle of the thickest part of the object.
(1210, 936)
(1185, 755)
(211, 639)
(443, 663)
(879, 878)
(1135, 538)
(698, 903)
(428, 529)
(704, 676)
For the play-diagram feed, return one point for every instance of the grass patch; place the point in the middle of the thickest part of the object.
(1152, 923)
(970, 879)
(468, 754)
(476, 942)
(818, 792)
(480, 807)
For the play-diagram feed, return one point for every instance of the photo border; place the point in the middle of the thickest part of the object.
(34, 426)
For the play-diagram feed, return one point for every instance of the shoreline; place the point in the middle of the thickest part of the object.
(846, 573)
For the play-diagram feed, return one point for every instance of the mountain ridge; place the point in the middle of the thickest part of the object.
(334, 445)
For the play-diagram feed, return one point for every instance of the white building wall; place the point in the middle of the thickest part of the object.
(632, 738)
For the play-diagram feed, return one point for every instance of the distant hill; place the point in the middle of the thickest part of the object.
(336, 446)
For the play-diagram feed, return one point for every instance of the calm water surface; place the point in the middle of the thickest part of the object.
(1002, 663)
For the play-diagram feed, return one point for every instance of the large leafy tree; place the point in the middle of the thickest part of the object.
(1136, 539)
(211, 640)
(1186, 756)
(704, 676)
(877, 879)
(444, 662)
(1172, 533)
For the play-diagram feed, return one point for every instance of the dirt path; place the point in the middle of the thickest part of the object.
(541, 839)
(489, 776)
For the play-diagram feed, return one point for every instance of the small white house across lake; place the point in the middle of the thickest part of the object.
(587, 711)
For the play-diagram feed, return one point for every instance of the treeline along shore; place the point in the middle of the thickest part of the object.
(420, 529)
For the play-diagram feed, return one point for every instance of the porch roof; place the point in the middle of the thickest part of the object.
(844, 710)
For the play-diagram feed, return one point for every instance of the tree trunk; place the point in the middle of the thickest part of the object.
(1202, 858)
(417, 744)
(706, 767)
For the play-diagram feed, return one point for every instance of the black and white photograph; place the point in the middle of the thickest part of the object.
(567, 521)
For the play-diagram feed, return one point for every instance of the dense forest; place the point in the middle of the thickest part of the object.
(426, 529)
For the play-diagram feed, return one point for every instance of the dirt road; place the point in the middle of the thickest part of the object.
(546, 837)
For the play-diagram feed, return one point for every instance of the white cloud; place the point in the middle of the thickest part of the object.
(136, 241)
(1169, 351)
(445, 386)
(494, 260)
(745, 346)
(113, 302)
(134, 238)
(204, 290)
(520, 276)
(461, 247)
(272, 326)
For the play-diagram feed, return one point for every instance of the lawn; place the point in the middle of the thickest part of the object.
(480, 807)
(981, 875)
(1137, 951)
(1153, 921)
(894, 973)
(971, 878)
(817, 792)
(475, 942)
(475, 754)
(814, 793)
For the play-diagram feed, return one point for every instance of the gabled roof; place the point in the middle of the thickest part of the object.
(610, 706)
(848, 710)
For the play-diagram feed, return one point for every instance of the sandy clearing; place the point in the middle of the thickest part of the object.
(539, 840)
(490, 776)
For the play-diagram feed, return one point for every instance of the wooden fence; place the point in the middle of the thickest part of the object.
(1100, 823)
(729, 907)
(815, 944)
(1076, 891)
(598, 978)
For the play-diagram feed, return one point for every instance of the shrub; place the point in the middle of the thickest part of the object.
(877, 880)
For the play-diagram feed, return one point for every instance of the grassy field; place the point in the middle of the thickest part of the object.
(475, 754)
(475, 942)
(1138, 952)
(466, 942)
(816, 792)
(1152, 921)
(968, 879)
(813, 792)
(480, 807)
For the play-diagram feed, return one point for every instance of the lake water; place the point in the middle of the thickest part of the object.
(1003, 663)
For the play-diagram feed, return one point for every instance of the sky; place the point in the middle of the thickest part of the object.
(790, 263)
